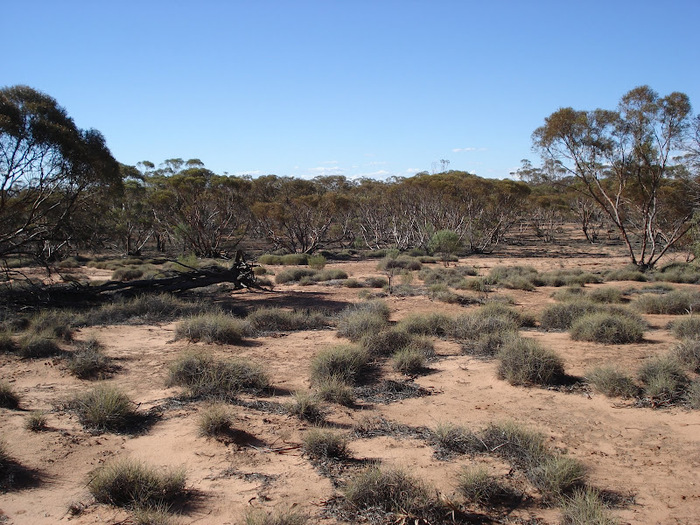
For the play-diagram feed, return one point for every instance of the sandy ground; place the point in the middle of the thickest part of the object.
(651, 457)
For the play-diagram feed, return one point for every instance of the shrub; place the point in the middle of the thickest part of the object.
(557, 475)
(212, 328)
(8, 397)
(524, 361)
(565, 277)
(677, 302)
(611, 382)
(679, 273)
(607, 328)
(477, 486)
(409, 361)
(306, 407)
(343, 362)
(390, 490)
(317, 262)
(523, 447)
(687, 327)
(128, 483)
(376, 282)
(455, 439)
(105, 408)
(208, 378)
(386, 342)
(692, 394)
(279, 319)
(38, 346)
(498, 309)
(53, 324)
(585, 507)
(570, 293)
(279, 517)
(145, 309)
(323, 444)
(294, 275)
(36, 421)
(687, 353)
(127, 274)
(435, 324)
(288, 259)
(502, 274)
(561, 316)
(362, 319)
(629, 273)
(260, 270)
(663, 378)
(214, 421)
(88, 361)
(335, 390)
(606, 295)
(471, 326)
(402, 263)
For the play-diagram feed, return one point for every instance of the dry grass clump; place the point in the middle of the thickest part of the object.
(663, 379)
(607, 328)
(516, 277)
(409, 361)
(279, 319)
(495, 308)
(452, 277)
(524, 362)
(144, 309)
(7, 344)
(611, 382)
(335, 389)
(36, 421)
(306, 406)
(8, 397)
(557, 475)
(585, 507)
(455, 439)
(214, 421)
(128, 483)
(687, 353)
(692, 394)
(55, 324)
(606, 295)
(561, 316)
(38, 346)
(342, 362)
(213, 328)
(279, 517)
(376, 282)
(477, 486)
(386, 342)
(566, 277)
(127, 274)
(435, 324)
(570, 293)
(628, 273)
(290, 259)
(309, 276)
(679, 272)
(105, 408)
(521, 446)
(324, 444)
(677, 302)
(362, 319)
(402, 262)
(88, 361)
(205, 377)
(686, 328)
(469, 327)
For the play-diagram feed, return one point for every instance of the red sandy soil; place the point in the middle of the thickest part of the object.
(651, 456)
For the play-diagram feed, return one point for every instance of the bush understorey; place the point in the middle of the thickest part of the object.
(362, 319)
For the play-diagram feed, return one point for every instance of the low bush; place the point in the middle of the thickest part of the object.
(687, 353)
(324, 444)
(523, 361)
(585, 507)
(679, 272)
(452, 277)
(127, 274)
(435, 324)
(289, 259)
(54, 324)
(342, 362)
(610, 382)
(629, 273)
(663, 379)
(317, 262)
(278, 517)
(565, 277)
(145, 309)
(362, 319)
(471, 326)
(677, 302)
(128, 483)
(606, 295)
(455, 439)
(686, 327)
(279, 319)
(506, 274)
(213, 328)
(692, 394)
(214, 421)
(105, 408)
(494, 308)
(607, 328)
(557, 476)
(38, 346)
(386, 342)
(401, 262)
(306, 407)
(295, 275)
(88, 361)
(561, 316)
(487, 344)
(206, 377)
(36, 421)
(477, 486)
(409, 361)
(8, 397)
(335, 389)
(376, 282)
(570, 293)
(522, 447)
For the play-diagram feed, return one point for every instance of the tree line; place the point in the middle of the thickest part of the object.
(632, 172)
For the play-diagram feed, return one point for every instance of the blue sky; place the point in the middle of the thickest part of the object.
(359, 88)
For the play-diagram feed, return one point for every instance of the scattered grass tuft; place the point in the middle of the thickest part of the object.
(324, 444)
(38, 346)
(677, 302)
(335, 390)
(663, 379)
(386, 342)
(36, 421)
(105, 408)
(282, 320)
(523, 361)
(557, 476)
(306, 407)
(88, 361)
(8, 397)
(687, 353)
(561, 316)
(145, 309)
(213, 328)
(362, 319)
(477, 486)
(409, 361)
(521, 446)
(585, 507)
(607, 328)
(214, 421)
(435, 324)
(610, 382)
(455, 439)
(279, 517)
(687, 327)
(343, 362)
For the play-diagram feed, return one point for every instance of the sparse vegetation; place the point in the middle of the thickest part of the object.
(409, 361)
(88, 361)
(281, 320)
(278, 517)
(38, 346)
(607, 328)
(477, 486)
(557, 475)
(36, 421)
(523, 362)
(362, 319)
(214, 421)
(677, 302)
(306, 407)
(8, 397)
(105, 408)
(435, 324)
(144, 309)
(335, 389)
(687, 353)
(455, 439)
(323, 444)
(585, 507)
(687, 327)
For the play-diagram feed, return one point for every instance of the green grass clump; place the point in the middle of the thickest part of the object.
(664, 379)
(557, 475)
(452, 277)
(362, 319)
(213, 328)
(607, 328)
(523, 447)
(629, 273)
(223, 380)
(488, 344)
(128, 483)
(561, 316)
(278, 517)
(8, 397)
(306, 406)
(389, 490)
(88, 361)
(585, 507)
(435, 324)
(342, 362)
(105, 408)
(477, 486)
(324, 444)
(214, 421)
(471, 326)
(687, 353)
(686, 327)
(282, 320)
(523, 361)
(409, 361)
(677, 302)
(38, 346)
(335, 389)
(36, 421)
(606, 295)
(610, 382)
(386, 342)
(144, 309)
(455, 439)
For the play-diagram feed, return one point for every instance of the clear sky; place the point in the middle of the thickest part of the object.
(372, 88)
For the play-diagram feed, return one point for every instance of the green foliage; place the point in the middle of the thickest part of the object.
(105, 408)
(611, 382)
(585, 507)
(213, 328)
(607, 328)
(342, 362)
(565, 277)
(317, 262)
(206, 377)
(8, 397)
(561, 316)
(523, 361)
(214, 421)
(629, 273)
(402, 262)
(445, 242)
(606, 295)
(324, 444)
(687, 273)
(294, 275)
(128, 483)
(291, 259)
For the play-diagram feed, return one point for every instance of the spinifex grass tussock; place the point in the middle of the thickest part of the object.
(561, 316)
(402, 262)
(692, 394)
(607, 328)
(516, 277)
(434, 324)
(455, 439)
(611, 382)
(335, 389)
(477, 486)
(628, 273)
(213, 328)
(129, 483)
(343, 362)
(522, 447)
(290, 259)
(88, 361)
(105, 408)
(606, 295)
(362, 319)
(206, 377)
(585, 507)
(687, 353)
(677, 302)
(145, 309)
(570, 293)
(324, 444)
(214, 421)
(566, 277)
(38, 346)
(386, 342)
(282, 320)
(306, 406)
(664, 379)
(36, 421)
(471, 326)
(686, 327)
(56, 324)
(277, 517)
(7, 344)
(678, 272)
(127, 274)
(409, 361)
(557, 475)
(8, 397)
(295, 275)
(452, 277)
(524, 361)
